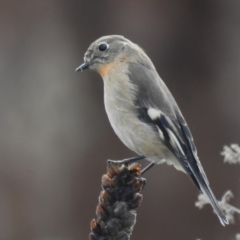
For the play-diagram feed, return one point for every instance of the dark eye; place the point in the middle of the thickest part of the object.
(102, 47)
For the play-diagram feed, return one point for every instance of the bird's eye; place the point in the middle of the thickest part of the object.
(103, 47)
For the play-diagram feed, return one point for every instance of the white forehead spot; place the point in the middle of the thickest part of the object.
(154, 113)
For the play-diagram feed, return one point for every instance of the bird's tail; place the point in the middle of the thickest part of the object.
(200, 179)
(205, 188)
(197, 174)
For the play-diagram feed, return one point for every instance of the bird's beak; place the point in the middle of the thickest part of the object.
(83, 66)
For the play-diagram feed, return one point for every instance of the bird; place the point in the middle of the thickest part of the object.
(142, 111)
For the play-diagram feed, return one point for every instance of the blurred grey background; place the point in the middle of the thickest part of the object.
(55, 137)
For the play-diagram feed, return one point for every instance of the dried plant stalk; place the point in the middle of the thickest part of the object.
(120, 196)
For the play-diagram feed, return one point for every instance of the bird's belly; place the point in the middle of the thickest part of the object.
(138, 136)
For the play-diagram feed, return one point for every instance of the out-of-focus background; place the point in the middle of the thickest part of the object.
(55, 137)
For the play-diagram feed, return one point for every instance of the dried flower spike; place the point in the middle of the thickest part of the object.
(120, 196)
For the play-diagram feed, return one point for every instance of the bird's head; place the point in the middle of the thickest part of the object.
(102, 53)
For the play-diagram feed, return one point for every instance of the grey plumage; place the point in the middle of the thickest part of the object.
(143, 112)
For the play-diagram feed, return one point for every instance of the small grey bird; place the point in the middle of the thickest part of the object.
(143, 112)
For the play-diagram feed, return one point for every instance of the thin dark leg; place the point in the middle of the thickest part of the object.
(147, 167)
(127, 160)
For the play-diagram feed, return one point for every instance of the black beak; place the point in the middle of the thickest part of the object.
(83, 66)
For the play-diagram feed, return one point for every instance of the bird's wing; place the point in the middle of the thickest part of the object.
(157, 107)
(176, 137)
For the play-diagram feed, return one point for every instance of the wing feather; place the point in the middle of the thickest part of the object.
(168, 121)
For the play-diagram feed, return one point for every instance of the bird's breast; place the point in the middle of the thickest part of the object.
(119, 96)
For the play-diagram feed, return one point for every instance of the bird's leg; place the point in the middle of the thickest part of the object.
(147, 168)
(126, 161)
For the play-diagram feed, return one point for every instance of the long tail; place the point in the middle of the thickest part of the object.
(196, 172)
(206, 190)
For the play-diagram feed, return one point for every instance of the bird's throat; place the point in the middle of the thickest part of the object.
(104, 69)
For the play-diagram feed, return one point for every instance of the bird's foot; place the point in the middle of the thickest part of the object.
(147, 168)
(126, 161)
(143, 182)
